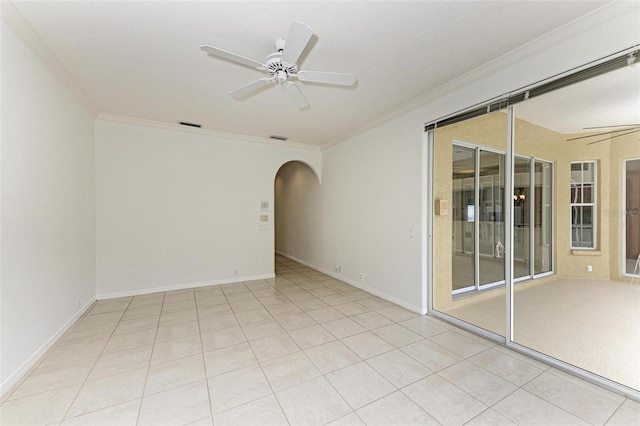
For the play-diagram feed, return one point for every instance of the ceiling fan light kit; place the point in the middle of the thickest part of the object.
(281, 67)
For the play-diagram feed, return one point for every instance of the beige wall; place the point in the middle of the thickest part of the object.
(536, 141)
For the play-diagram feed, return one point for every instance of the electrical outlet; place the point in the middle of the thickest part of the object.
(589, 268)
(335, 269)
(361, 277)
(235, 272)
(339, 268)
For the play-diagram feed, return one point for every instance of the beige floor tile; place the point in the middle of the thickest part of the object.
(168, 375)
(42, 408)
(179, 296)
(253, 315)
(314, 402)
(267, 292)
(92, 320)
(490, 417)
(136, 325)
(289, 370)
(323, 315)
(344, 327)
(121, 362)
(479, 383)
(399, 368)
(366, 344)
(220, 322)
(212, 311)
(201, 302)
(240, 296)
(397, 335)
(319, 291)
(258, 330)
(371, 320)
(624, 416)
(375, 303)
(311, 336)
(245, 305)
(294, 321)
(174, 349)
(177, 406)
(350, 419)
(234, 288)
(273, 300)
(273, 347)
(207, 421)
(167, 318)
(334, 299)
(177, 331)
(311, 304)
(108, 391)
(590, 386)
(359, 384)
(524, 408)
(431, 355)
(331, 356)
(74, 352)
(82, 334)
(397, 314)
(284, 308)
(350, 308)
(111, 305)
(122, 415)
(55, 377)
(264, 411)
(508, 368)
(229, 358)
(395, 409)
(221, 338)
(184, 305)
(132, 340)
(149, 311)
(146, 301)
(424, 327)
(581, 402)
(459, 344)
(237, 387)
(443, 401)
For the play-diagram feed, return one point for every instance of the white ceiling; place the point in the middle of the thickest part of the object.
(142, 59)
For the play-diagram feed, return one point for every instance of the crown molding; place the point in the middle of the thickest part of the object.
(572, 29)
(19, 25)
(114, 118)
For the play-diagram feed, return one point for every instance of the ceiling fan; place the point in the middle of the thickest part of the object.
(620, 130)
(281, 67)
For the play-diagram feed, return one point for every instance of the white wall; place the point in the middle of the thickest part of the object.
(298, 210)
(48, 207)
(179, 208)
(372, 191)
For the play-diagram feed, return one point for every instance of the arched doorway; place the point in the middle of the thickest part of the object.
(297, 213)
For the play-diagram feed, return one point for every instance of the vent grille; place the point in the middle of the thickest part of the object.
(185, 123)
(278, 138)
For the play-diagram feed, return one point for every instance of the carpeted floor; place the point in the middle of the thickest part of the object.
(594, 325)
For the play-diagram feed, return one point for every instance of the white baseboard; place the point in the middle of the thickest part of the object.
(139, 292)
(18, 374)
(378, 293)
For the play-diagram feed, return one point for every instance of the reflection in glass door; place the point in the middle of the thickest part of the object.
(631, 217)
(477, 219)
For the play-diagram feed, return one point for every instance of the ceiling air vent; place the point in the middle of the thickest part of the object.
(184, 123)
(278, 138)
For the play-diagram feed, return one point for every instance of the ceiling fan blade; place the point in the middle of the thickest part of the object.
(613, 137)
(295, 95)
(327, 77)
(219, 53)
(610, 132)
(296, 41)
(250, 88)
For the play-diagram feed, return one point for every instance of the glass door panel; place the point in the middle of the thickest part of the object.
(463, 217)
(491, 219)
(542, 262)
(521, 214)
(632, 218)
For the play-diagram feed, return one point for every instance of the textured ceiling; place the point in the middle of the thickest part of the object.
(142, 59)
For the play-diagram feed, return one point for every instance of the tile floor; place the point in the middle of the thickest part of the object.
(302, 348)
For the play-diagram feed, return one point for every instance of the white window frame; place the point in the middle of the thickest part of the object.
(593, 204)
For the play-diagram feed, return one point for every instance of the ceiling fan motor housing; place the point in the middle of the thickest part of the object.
(278, 70)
